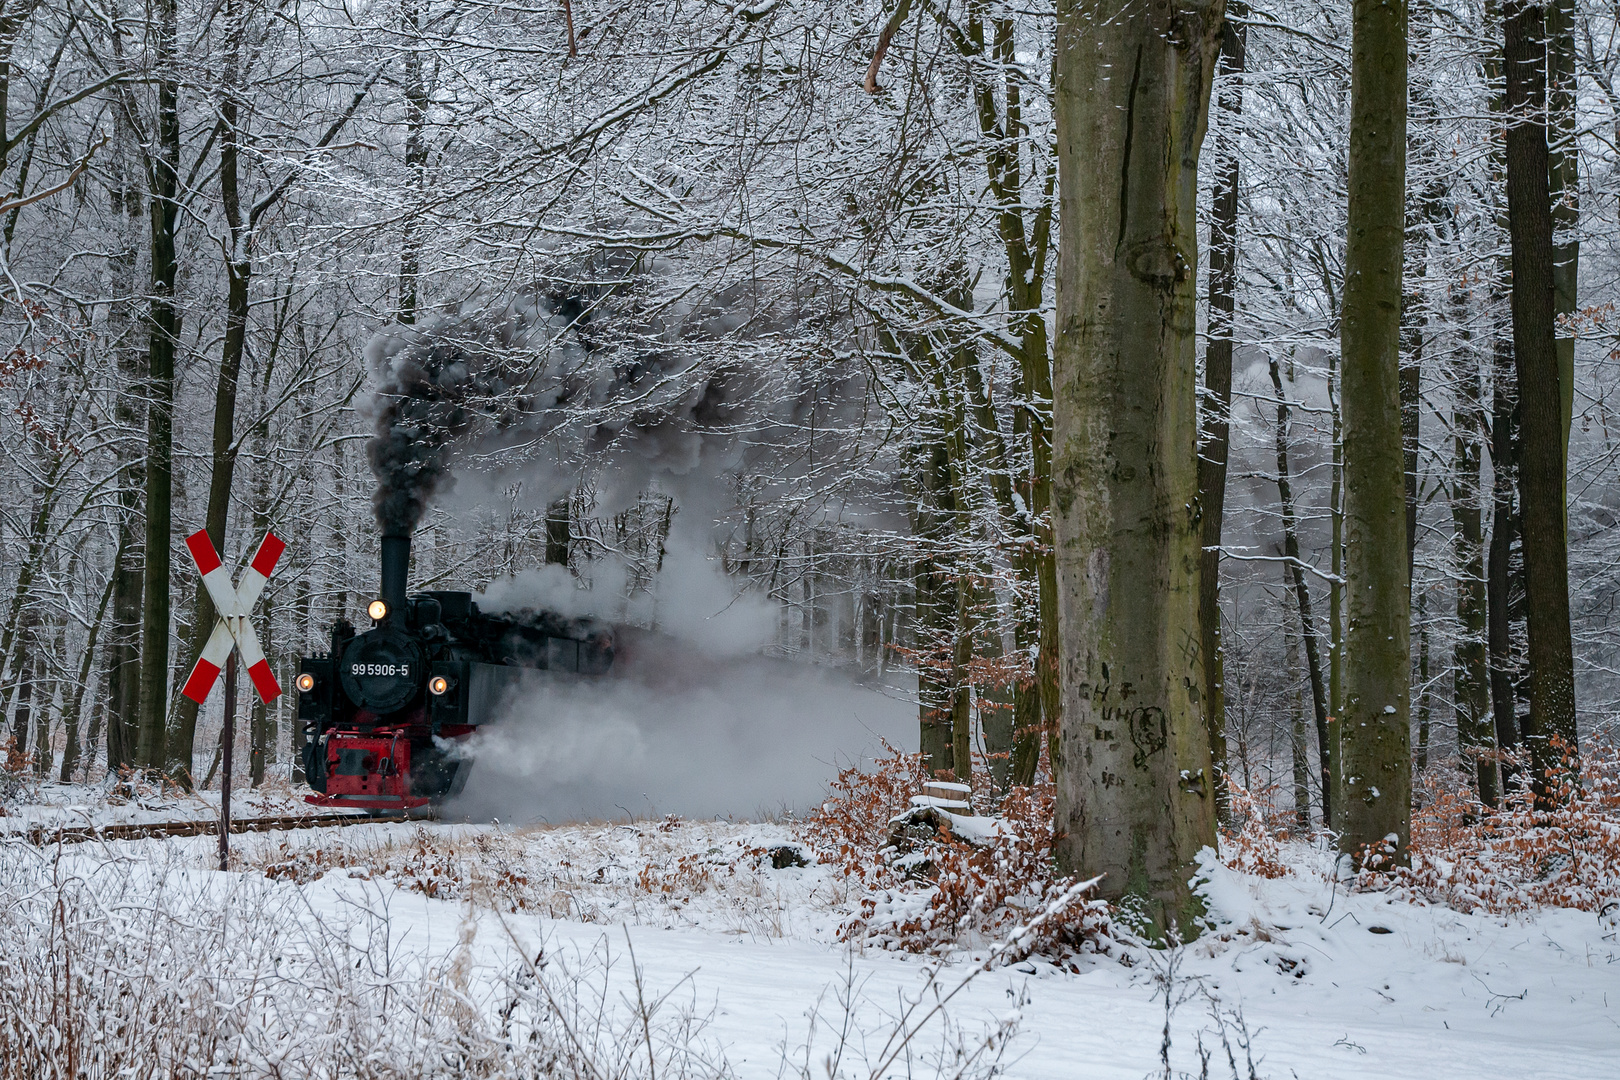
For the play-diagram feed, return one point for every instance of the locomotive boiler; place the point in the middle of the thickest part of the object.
(382, 711)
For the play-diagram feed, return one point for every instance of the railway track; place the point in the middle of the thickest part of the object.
(40, 835)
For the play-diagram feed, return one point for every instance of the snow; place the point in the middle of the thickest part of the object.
(1327, 984)
(78, 805)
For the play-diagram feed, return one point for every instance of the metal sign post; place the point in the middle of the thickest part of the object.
(232, 634)
(227, 738)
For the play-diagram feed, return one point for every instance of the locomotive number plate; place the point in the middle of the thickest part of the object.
(380, 669)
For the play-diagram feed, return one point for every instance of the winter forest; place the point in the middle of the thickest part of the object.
(1198, 415)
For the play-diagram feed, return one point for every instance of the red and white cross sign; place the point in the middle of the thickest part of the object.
(233, 602)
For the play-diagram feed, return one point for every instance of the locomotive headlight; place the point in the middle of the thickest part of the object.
(306, 682)
(378, 610)
(438, 686)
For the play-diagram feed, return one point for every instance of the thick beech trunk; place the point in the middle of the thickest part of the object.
(1375, 754)
(1135, 794)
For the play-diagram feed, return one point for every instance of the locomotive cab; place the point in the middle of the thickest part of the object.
(382, 710)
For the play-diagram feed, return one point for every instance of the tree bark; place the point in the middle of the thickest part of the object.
(123, 654)
(238, 278)
(1498, 572)
(1296, 739)
(73, 697)
(163, 335)
(930, 584)
(1335, 694)
(1411, 414)
(22, 714)
(1216, 411)
(1302, 597)
(1501, 580)
(1470, 674)
(1424, 697)
(557, 534)
(961, 683)
(1026, 241)
(1135, 796)
(1375, 756)
(1564, 182)
(1541, 411)
(993, 694)
(416, 157)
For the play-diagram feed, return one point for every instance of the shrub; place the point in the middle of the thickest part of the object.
(948, 891)
(1249, 844)
(1565, 853)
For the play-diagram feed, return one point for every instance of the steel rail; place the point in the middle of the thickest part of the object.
(40, 835)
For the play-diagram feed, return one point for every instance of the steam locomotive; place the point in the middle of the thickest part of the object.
(382, 711)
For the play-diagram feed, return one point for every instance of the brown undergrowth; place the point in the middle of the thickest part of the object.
(1518, 857)
(1251, 843)
(947, 891)
(1563, 853)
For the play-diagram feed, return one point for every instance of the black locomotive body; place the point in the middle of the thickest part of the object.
(380, 709)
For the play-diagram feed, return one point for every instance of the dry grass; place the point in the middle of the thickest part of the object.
(670, 873)
(115, 967)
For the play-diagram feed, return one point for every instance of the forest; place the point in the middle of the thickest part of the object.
(1195, 398)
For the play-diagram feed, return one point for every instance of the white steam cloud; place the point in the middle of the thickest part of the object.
(691, 720)
(677, 735)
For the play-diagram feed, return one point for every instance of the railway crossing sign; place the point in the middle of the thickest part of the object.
(234, 603)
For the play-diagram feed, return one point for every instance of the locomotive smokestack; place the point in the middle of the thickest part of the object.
(396, 566)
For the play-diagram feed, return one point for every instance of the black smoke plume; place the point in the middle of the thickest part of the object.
(577, 368)
(440, 381)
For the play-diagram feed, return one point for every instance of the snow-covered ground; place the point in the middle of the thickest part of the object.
(745, 963)
(71, 806)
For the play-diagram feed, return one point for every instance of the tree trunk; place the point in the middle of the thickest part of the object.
(1501, 582)
(1541, 410)
(73, 698)
(994, 695)
(961, 683)
(1335, 698)
(1423, 682)
(932, 604)
(1296, 739)
(302, 608)
(22, 714)
(123, 656)
(1135, 796)
(1564, 190)
(1302, 597)
(1498, 573)
(44, 698)
(1411, 414)
(1216, 413)
(163, 335)
(238, 277)
(1375, 755)
(557, 535)
(1470, 676)
(416, 156)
